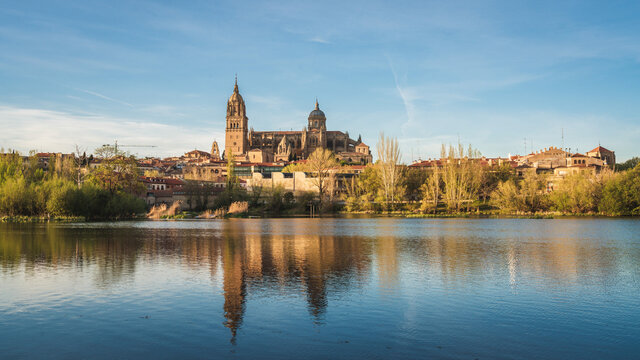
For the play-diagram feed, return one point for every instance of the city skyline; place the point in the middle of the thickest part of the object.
(427, 73)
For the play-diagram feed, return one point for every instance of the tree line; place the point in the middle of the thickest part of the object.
(65, 186)
(459, 183)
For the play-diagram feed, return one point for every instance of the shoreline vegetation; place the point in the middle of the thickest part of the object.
(69, 190)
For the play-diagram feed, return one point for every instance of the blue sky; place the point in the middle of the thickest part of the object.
(489, 73)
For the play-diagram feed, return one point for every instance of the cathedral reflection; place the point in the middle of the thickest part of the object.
(253, 259)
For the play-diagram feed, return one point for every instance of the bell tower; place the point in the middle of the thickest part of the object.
(236, 142)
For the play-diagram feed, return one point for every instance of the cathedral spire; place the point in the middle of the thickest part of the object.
(317, 106)
(235, 87)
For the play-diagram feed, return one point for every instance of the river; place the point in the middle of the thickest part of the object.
(374, 288)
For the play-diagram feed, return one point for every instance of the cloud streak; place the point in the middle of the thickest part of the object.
(105, 97)
(320, 40)
(407, 100)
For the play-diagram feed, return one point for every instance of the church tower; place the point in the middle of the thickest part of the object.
(237, 125)
(215, 151)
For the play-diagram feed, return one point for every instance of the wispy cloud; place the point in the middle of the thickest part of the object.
(320, 40)
(406, 97)
(105, 97)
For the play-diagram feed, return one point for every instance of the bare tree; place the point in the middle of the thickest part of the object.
(79, 158)
(320, 164)
(461, 176)
(108, 152)
(431, 190)
(390, 171)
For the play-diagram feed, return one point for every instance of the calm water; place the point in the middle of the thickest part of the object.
(322, 288)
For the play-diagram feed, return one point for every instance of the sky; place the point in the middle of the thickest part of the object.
(504, 76)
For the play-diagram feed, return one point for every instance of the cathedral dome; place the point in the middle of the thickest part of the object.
(236, 97)
(235, 105)
(317, 113)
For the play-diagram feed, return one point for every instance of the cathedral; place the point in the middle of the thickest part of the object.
(248, 145)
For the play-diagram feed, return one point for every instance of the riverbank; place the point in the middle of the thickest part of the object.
(62, 219)
(397, 214)
(35, 219)
(190, 215)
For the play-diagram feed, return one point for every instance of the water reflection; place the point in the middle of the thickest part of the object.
(322, 259)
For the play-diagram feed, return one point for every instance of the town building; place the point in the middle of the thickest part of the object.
(608, 156)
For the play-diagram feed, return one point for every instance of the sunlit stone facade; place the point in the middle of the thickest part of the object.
(274, 146)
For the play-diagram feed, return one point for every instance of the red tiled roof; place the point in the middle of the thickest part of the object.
(426, 163)
(600, 149)
(198, 152)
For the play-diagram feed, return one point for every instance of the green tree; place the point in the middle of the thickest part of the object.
(580, 192)
(413, 180)
(118, 173)
(432, 190)
(506, 196)
(17, 197)
(629, 164)
(621, 194)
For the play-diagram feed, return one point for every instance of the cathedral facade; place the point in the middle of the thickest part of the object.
(281, 146)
